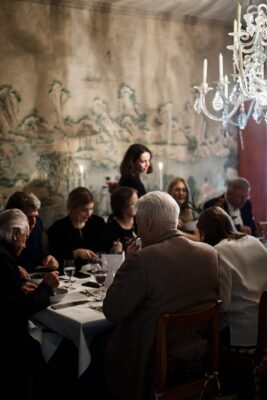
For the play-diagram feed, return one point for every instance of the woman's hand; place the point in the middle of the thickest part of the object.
(117, 247)
(85, 254)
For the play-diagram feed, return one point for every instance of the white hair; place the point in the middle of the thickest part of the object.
(161, 207)
(10, 220)
(35, 201)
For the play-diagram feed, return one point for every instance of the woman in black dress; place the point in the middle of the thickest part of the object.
(79, 235)
(121, 224)
(137, 160)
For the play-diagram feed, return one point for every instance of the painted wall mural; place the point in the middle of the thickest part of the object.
(65, 123)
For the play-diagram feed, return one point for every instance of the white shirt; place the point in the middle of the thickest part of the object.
(235, 214)
(243, 279)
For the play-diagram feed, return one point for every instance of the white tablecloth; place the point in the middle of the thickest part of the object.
(79, 324)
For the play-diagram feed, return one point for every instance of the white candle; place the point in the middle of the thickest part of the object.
(160, 175)
(82, 174)
(205, 70)
(238, 18)
(221, 68)
(226, 86)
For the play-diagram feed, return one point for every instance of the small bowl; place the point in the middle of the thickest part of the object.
(59, 294)
(36, 277)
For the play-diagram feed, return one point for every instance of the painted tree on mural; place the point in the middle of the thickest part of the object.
(9, 107)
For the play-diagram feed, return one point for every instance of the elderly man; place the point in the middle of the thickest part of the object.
(169, 274)
(237, 204)
(21, 352)
(33, 255)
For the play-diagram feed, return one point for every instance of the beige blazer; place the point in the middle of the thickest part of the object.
(173, 275)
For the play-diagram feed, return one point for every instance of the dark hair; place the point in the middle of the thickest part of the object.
(78, 197)
(127, 167)
(119, 200)
(215, 225)
(23, 201)
(171, 186)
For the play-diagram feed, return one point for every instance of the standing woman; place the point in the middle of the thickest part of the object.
(79, 235)
(137, 160)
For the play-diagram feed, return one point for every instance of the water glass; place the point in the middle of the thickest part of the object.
(69, 271)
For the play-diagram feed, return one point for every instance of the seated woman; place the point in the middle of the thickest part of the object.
(79, 235)
(121, 227)
(179, 190)
(243, 261)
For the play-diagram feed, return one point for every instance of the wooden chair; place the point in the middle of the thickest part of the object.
(185, 387)
(251, 362)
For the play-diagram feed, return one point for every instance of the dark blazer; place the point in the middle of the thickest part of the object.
(16, 309)
(246, 211)
(33, 254)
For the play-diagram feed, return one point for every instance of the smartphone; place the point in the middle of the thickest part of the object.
(80, 274)
(91, 284)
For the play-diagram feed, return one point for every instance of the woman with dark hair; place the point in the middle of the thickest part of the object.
(137, 160)
(179, 190)
(79, 235)
(121, 226)
(243, 261)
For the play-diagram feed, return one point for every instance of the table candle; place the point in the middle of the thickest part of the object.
(220, 68)
(81, 174)
(205, 69)
(160, 175)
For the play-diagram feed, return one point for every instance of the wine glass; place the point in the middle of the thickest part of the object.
(100, 275)
(69, 271)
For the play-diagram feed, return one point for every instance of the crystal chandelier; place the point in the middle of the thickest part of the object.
(249, 82)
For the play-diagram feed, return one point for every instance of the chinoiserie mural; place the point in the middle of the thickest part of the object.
(71, 125)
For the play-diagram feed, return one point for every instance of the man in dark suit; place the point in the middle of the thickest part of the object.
(237, 204)
(20, 354)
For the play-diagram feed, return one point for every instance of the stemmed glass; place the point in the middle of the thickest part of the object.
(69, 271)
(100, 275)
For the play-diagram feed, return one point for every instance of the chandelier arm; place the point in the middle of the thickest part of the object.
(214, 117)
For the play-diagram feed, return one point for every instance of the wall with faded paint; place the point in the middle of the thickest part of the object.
(78, 86)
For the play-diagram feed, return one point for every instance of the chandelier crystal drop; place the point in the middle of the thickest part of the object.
(249, 83)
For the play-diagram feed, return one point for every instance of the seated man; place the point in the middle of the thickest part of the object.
(169, 274)
(33, 254)
(20, 355)
(237, 204)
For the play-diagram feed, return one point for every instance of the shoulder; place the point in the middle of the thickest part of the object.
(215, 201)
(59, 224)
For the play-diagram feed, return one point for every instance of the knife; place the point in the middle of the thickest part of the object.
(70, 304)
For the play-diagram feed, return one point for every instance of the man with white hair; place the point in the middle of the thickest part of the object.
(169, 274)
(33, 255)
(237, 204)
(21, 351)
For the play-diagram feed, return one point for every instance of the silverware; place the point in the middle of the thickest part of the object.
(70, 304)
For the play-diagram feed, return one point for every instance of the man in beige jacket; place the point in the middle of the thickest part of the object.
(169, 274)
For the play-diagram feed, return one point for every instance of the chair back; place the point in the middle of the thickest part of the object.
(207, 316)
(262, 329)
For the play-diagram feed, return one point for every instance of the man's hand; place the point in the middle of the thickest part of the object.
(28, 287)
(245, 229)
(23, 273)
(51, 278)
(50, 262)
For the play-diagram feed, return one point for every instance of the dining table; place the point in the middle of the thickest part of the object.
(76, 316)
